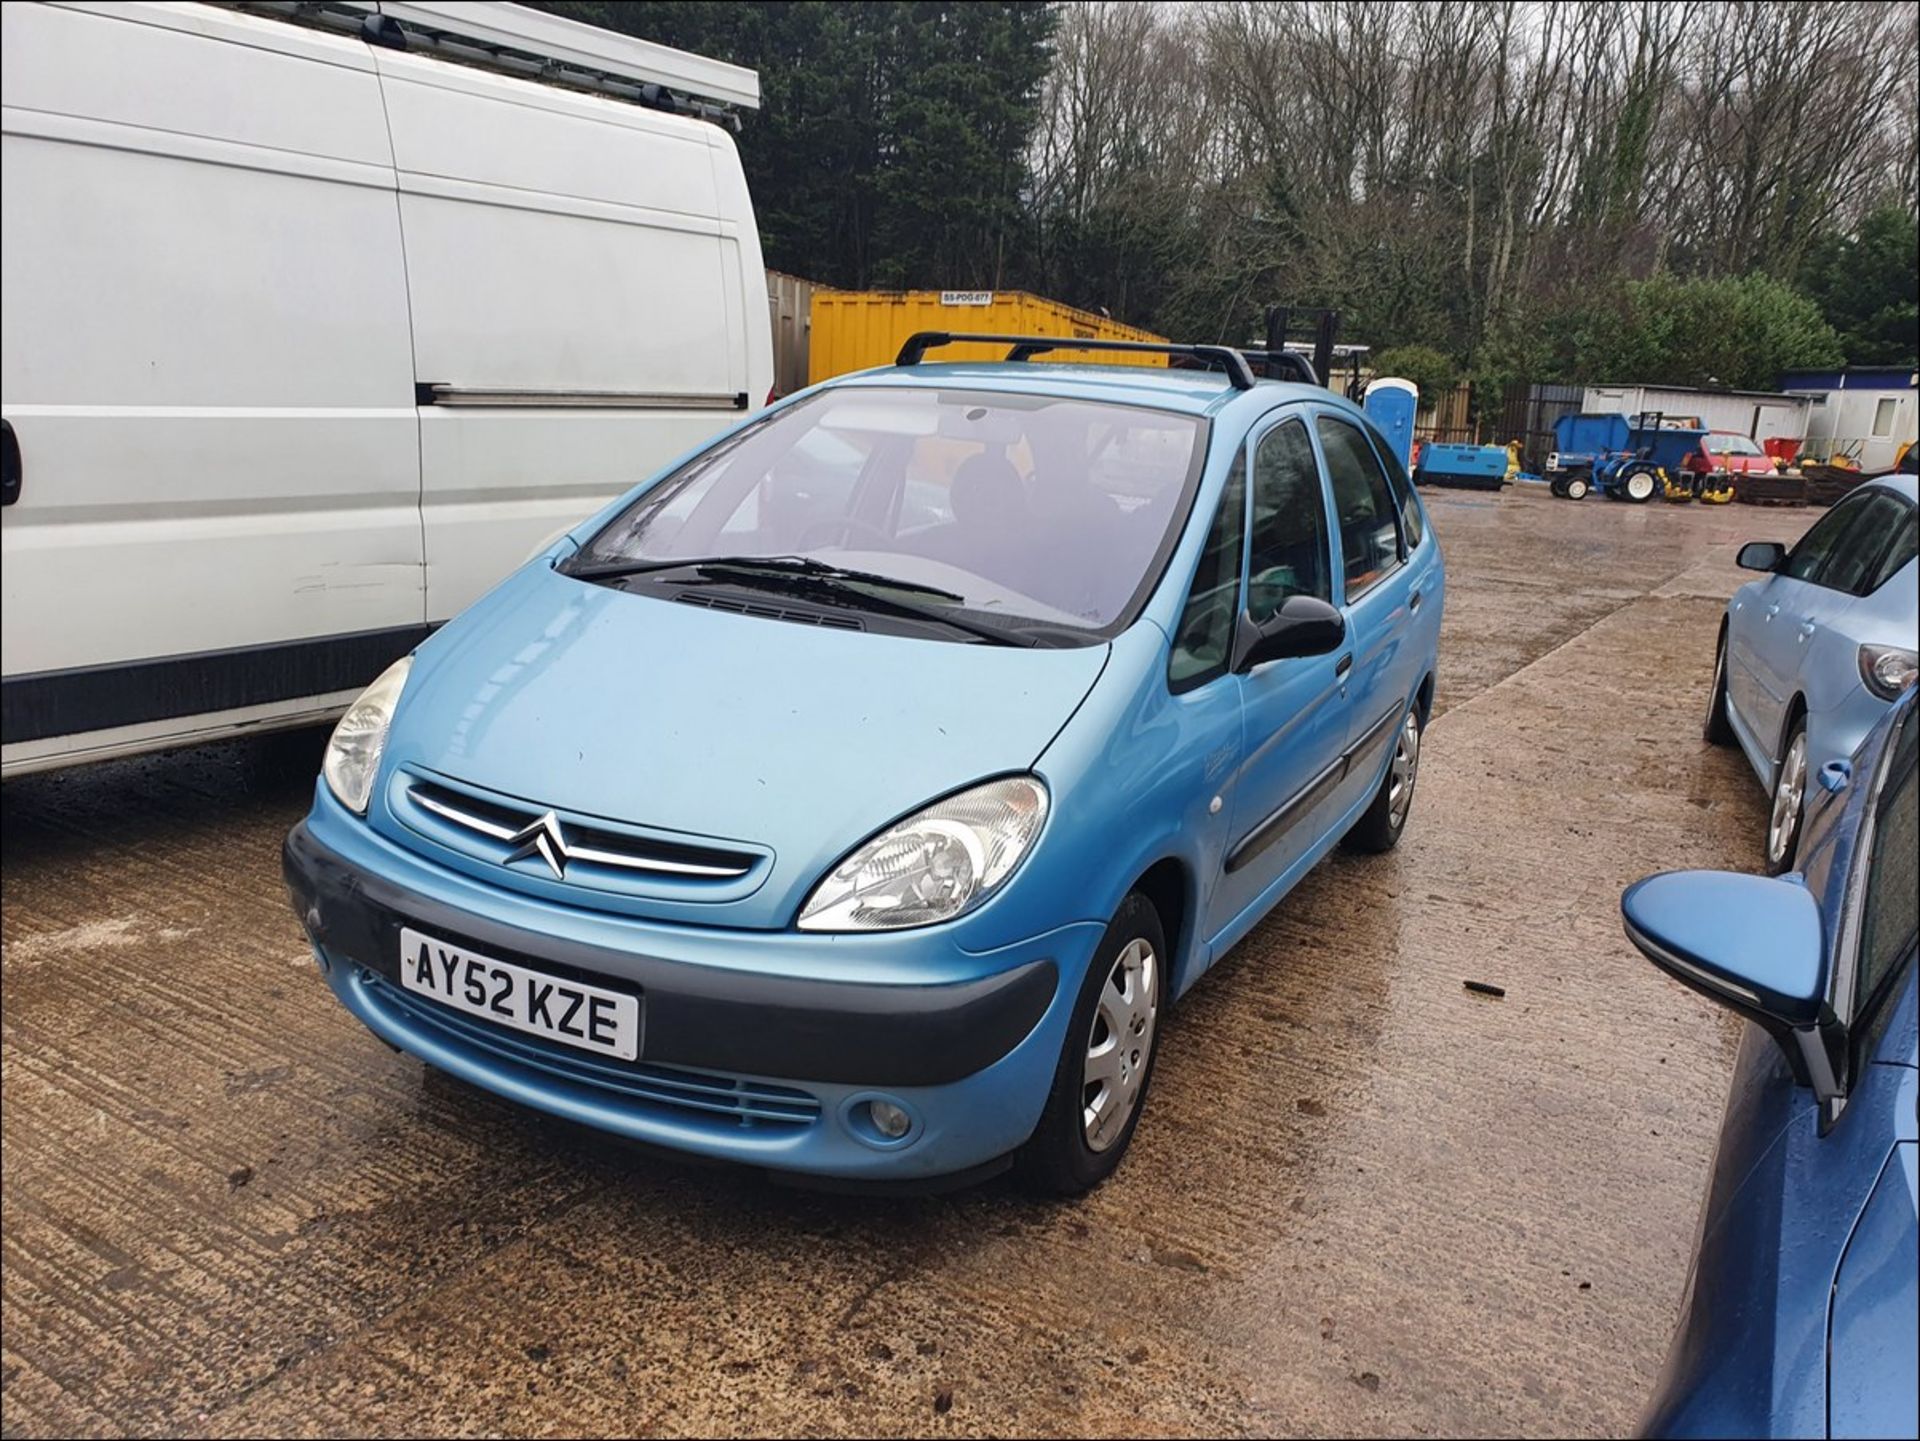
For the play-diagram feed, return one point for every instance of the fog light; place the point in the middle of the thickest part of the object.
(888, 1119)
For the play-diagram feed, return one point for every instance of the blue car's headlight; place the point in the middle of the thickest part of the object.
(353, 751)
(934, 865)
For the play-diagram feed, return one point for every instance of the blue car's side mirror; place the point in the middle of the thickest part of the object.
(1751, 943)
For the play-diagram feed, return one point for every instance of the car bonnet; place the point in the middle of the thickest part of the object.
(791, 740)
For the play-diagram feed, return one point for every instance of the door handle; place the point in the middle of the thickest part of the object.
(10, 473)
(1343, 665)
(1807, 628)
(1772, 611)
(1413, 601)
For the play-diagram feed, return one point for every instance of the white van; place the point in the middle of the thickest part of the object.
(306, 340)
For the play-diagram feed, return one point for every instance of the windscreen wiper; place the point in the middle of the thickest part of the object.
(800, 574)
(778, 564)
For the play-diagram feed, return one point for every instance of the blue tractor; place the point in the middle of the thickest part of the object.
(1626, 457)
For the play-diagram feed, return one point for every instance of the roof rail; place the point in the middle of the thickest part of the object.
(534, 45)
(1273, 363)
(1025, 347)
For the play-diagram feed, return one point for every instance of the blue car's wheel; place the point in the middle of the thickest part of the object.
(1379, 829)
(1789, 802)
(1106, 1061)
(1719, 730)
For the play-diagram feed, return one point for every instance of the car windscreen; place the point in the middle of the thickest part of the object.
(1732, 445)
(1025, 507)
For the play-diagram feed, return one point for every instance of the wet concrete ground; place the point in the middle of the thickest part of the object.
(1363, 1200)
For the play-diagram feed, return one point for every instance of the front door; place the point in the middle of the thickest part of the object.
(1295, 712)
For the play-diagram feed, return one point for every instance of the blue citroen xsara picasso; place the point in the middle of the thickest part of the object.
(854, 797)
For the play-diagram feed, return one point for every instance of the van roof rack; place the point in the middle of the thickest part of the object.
(534, 45)
(1025, 347)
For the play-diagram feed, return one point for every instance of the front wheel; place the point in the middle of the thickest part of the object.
(1379, 829)
(1576, 488)
(1789, 802)
(1106, 1061)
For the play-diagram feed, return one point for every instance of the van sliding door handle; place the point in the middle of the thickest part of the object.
(1343, 665)
(10, 474)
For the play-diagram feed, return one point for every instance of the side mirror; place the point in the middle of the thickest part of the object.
(1761, 555)
(1753, 944)
(1304, 625)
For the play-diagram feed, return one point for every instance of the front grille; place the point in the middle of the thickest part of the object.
(724, 1102)
(769, 612)
(507, 833)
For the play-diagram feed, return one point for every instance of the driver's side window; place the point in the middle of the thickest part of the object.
(1809, 557)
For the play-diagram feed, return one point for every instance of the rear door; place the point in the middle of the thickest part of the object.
(576, 320)
(1295, 711)
(205, 365)
(1380, 595)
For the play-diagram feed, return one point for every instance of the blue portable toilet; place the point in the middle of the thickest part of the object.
(1390, 403)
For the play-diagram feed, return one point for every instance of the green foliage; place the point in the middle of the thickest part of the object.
(1739, 333)
(1868, 287)
(890, 147)
(1426, 367)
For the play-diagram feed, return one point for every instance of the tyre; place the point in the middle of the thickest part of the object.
(1576, 487)
(1100, 1084)
(1638, 486)
(1718, 730)
(1558, 486)
(1789, 801)
(1379, 829)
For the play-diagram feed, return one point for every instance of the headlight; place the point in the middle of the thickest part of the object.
(1887, 669)
(353, 752)
(933, 866)
(1553, 460)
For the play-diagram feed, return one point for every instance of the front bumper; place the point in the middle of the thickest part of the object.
(753, 1060)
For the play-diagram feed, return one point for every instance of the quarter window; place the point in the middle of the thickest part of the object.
(1204, 637)
(1412, 526)
(1369, 533)
(1289, 553)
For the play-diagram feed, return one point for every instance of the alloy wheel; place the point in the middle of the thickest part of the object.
(1405, 769)
(1788, 792)
(1119, 1044)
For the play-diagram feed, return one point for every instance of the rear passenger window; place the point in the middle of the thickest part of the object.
(1856, 555)
(1809, 556)
(1204, 637)
(1290, 554)
(1906, 544)
(1369, 529)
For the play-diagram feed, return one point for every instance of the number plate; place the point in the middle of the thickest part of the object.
(570, 1012)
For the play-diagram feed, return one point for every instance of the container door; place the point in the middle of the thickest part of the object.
(577, 307)
(205, 365)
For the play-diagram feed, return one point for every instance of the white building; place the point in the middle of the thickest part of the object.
(1865, 413)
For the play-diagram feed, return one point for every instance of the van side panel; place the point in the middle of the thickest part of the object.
(205, 357)
(569, 252)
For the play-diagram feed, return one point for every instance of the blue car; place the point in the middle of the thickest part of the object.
(1810, 657)
(1800, 1311)
(853, 797)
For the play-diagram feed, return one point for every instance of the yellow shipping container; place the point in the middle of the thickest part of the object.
(858, 329)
